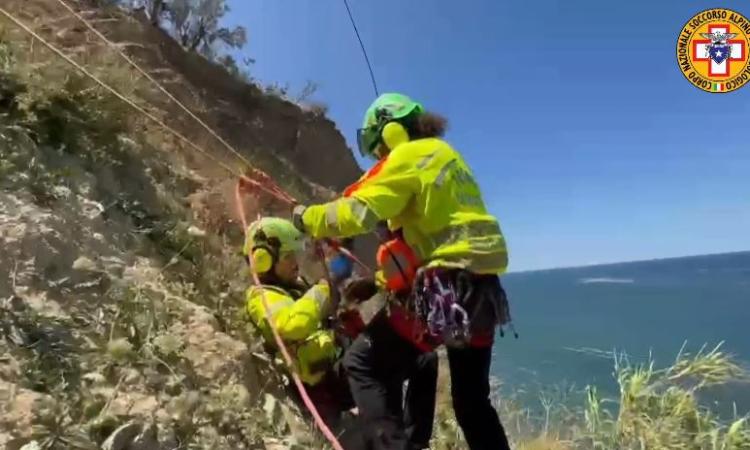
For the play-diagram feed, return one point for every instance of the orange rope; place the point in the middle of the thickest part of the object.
(346, 252)
(158, 85)
(276, 336)
(268, 187)
(265, 184)
(271, 188)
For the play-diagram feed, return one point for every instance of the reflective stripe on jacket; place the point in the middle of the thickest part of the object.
(299, 325)
(425, 188)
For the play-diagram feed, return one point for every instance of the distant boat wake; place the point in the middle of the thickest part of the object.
(590, 351)
(606, 280)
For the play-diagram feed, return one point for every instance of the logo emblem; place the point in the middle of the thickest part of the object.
(712, 50)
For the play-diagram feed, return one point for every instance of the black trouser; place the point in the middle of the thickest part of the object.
(377, 364)
(380, 360)
(470, 389)
(332, 397)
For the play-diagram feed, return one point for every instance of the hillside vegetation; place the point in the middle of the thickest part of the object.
(121, 284)
(121, 277)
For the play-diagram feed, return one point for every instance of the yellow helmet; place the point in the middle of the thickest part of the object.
(269, 238)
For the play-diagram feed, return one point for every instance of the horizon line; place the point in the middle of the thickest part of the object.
(633, 261)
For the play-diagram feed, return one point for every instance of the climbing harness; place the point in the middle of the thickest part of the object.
(445, 317)
(436, 302)
(460, 308)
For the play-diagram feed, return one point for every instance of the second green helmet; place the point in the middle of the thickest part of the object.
(386, 108)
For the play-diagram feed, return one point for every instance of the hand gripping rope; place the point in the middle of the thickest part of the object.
(258, 180)
(245, 184)
(280, 342)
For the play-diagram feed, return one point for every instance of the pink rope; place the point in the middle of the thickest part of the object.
(267, 185)
(280, 342)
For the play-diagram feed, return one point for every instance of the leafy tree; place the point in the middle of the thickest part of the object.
(307, 91)
(195, 24)
(233, 67)
(154, 9)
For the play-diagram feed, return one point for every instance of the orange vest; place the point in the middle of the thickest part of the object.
(398, 263)
(374, 170)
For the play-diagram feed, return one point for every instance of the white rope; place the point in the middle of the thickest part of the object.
(114, 92)
(154, 81)
(280, 343)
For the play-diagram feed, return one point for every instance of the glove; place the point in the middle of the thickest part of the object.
(297, 213)
(341, 267)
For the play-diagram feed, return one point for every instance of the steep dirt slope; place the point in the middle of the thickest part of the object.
(302, 149)
(121, 287)
(256, 124)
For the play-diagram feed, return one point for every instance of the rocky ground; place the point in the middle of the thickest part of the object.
(121, 284)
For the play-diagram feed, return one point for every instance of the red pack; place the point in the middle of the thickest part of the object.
(408, 326)
(399, 265)
(351, 323)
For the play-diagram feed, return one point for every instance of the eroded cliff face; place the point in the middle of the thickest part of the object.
(258, 125)
(121, 284)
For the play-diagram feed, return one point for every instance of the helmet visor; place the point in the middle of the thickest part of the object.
(367, 138)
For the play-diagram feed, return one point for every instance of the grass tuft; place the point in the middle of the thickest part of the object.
(657, 409)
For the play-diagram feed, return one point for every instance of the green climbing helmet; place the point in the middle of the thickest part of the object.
(274, 232)
(386, 108)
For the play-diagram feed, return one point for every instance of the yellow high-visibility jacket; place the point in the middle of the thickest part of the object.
(424, 187)
(298, 322)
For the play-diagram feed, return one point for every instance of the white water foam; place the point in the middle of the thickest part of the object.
(606, 280)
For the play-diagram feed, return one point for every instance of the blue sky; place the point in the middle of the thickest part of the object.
(589, 144)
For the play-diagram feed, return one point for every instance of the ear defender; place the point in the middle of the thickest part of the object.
(394, 134)
(264, 254)
(262, 259)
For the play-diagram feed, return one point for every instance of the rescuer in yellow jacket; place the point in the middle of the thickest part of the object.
(424, 189)
(299, 314)
(297, 311)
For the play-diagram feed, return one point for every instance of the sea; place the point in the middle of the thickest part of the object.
(571, 322)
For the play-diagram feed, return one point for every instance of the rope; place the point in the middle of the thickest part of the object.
(346, 252)
(287, 357)
(154, 81)
(362, 46)
(272, 189)
(263, 182)
(113, 91)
